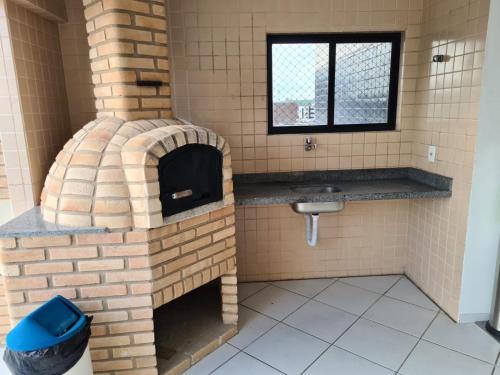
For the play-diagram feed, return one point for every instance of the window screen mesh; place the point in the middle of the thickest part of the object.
(300, 84)
(362, 75)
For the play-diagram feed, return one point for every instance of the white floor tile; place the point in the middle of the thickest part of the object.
(404, 290)
(245, 290)
(321, 320)
(465, 338)
(430, 359)
(243, 364)
(212, 361)
(347, 297)
(377, 343)
(287, 349)
(400, 315)
(274, 302)
(308, 288)
(251, 326)
(336, 361)
(377, 284)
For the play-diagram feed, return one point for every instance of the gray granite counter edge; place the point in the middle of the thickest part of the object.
(31, 224)
(435, 180)
(278, 200)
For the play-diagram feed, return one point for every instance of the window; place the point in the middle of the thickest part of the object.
(332, 82)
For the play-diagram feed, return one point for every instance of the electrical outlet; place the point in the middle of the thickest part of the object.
(431, 154)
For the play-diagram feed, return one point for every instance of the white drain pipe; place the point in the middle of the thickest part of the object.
(312, 229)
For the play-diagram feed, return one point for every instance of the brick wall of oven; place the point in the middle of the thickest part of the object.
(120, 277)
(191, 253)
(128, 42)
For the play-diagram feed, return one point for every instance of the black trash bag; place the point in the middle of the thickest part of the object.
(55, 360)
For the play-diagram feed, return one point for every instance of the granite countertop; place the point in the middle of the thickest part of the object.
(31, 224)
(355, 185)
(278, 188)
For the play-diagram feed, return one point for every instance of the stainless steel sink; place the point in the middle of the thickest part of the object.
(316, 189)
(317, 207)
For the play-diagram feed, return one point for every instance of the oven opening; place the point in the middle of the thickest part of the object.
(190, 176)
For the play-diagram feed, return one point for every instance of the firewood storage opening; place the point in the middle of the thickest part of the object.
(188, 326)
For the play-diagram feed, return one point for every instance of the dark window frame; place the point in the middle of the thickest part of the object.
(391, 37)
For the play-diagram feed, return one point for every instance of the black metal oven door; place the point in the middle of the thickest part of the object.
(190, 176)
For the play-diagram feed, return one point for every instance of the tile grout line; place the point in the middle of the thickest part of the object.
(326, 305)
(309, 299)
(495, 365)
(282, 322)
(342, 334)
(439, 311)
(227, 360)
(300, 295)
(368, 290)
(339, 279)
(254, 293)
(394, 329)
(423, 333)
(260, 360)
(387, 296)
(312, 299)
(330, 345)
(267, 316)
(425, 294)
(334, 280)
(409, 303)
(456, 351)
(415, 285)
(262, 334)
(418, 341)
(265, 363)
(361, 316)
(241, 351)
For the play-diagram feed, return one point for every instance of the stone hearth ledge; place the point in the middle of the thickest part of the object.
(355, 185)
(31, 224)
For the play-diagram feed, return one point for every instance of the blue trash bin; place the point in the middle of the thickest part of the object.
(49, 341)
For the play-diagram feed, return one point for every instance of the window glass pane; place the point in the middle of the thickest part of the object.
(362, 75)
(300, 84)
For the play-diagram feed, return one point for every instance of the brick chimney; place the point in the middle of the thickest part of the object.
(128, 43)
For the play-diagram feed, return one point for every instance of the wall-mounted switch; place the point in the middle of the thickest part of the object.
(431, 154)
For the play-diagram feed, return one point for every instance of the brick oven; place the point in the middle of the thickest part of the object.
(123, 176)
(136, 223)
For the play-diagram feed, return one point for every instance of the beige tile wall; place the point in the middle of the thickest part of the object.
(11, 124)
(219, 77)
(219, 81)
(4, 313)
(364, 239)
(40, 80)
(4, 187)
(218, 72)
(76, 62)
(44, 125)
(53, 10)
(446, 109)
(8, 129)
